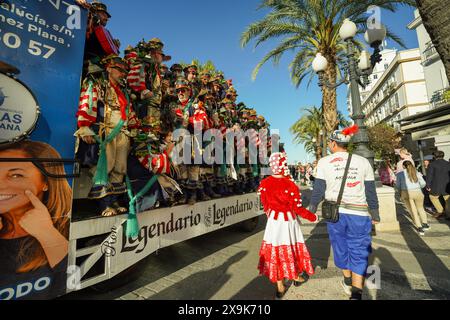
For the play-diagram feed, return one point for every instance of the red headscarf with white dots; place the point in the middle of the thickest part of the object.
(278, 164)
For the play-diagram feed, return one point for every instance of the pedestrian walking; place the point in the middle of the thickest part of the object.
(428, 205)
(283, 253)
(350, 236)
(438, 184)
(410, 184)
(387, 175)
(404, 156)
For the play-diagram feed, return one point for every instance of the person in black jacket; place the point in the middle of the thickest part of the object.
(438, 184)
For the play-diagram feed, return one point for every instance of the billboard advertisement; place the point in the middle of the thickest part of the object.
(41, 59)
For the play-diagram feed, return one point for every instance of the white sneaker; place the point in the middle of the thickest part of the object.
(420, 231)
(347, 289)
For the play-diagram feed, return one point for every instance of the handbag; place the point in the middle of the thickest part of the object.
(330, 209)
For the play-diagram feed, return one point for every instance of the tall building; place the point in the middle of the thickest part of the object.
(398, 90)
(436, 79)
(387, 55)
(430, 130)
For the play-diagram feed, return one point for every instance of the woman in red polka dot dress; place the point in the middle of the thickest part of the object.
(283, 253)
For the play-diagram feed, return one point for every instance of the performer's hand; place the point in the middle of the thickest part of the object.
(375, 222)
(317, 219)
(88, 139)
(148, 95)
(37, 221)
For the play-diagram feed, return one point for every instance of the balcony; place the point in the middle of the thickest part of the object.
(440, 98)
(429, 55)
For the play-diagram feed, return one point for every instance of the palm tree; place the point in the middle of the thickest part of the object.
(434, 14)
(203, 67)
(308, 27)
(306, 131)
(309, 130)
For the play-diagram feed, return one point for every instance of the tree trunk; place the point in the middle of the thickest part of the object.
(435, 17)
(319, 147)
(329, 95)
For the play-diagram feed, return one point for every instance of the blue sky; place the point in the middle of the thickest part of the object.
(211, 29)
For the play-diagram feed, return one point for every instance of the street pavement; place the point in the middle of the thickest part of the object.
(223, 266)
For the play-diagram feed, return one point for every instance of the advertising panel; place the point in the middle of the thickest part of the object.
(41, 58)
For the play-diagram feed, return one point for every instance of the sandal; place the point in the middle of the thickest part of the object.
(109, 212)
(121, 210)
(299, 283)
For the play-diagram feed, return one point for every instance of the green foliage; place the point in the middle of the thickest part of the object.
(383, 141)
(202, 67)
(307, 129)
(306, 27)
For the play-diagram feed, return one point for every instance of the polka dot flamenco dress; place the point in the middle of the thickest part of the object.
(283, 253)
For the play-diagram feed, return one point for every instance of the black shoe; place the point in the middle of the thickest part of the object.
(192, 198)
(420, 231)
(202, 196)
(280, 295)
(425, 227)
(356, 294)
(183, 199)
(305, 279)
(210, 192)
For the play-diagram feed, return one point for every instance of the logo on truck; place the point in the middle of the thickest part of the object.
(19, 110)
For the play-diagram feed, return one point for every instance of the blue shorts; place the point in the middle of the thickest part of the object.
(351, 241)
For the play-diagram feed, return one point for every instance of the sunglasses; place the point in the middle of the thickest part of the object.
(181, 90)
(120, 69)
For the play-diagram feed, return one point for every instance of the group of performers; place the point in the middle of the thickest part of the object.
(130, 108)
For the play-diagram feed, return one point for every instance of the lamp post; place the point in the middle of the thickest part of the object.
(357, 72)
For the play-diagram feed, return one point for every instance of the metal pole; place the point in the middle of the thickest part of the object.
(360, 139)
(422, 161)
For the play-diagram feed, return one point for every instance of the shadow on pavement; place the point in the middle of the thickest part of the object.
(259, 288)
(432, 266)
(319, 246)
(189, 287)
(318, 242)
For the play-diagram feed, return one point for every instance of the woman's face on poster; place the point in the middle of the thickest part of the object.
(15, 179)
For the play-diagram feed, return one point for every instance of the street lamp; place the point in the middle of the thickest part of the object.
(357, 72)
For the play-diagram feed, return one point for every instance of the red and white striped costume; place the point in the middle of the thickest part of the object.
(158, 164)
(87, 113)
(88, 106)
(200, 118)
(283, 253)
(136, 78)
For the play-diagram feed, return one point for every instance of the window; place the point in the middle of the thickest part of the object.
(375, 77)
(386, 66)
(397, 103)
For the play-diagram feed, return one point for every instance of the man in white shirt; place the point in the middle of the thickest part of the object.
(350, 237)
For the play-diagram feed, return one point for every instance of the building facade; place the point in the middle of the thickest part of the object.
(433, 125)
(436, 79)
(399, 91)
(387, 56)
